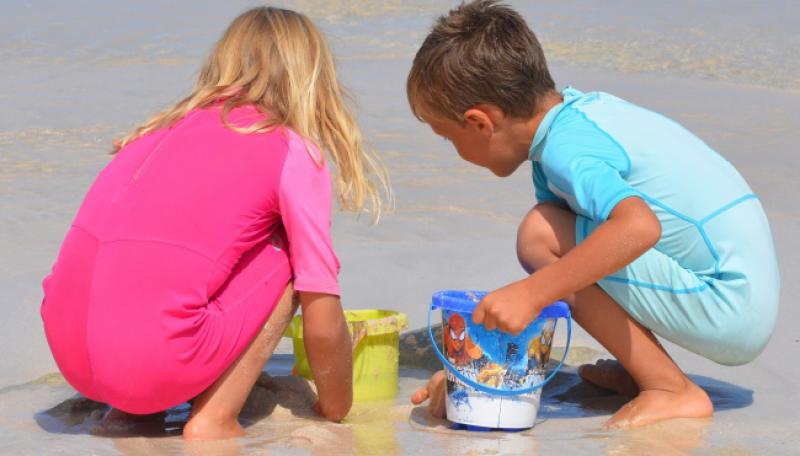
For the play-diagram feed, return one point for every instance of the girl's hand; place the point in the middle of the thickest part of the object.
(434, 391)
(330, 353)
(510, 309)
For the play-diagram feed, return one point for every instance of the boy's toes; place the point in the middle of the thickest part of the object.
(609, 374)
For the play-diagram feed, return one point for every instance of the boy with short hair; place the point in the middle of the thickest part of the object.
(639, 225)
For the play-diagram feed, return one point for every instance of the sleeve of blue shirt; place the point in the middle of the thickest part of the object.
(585, 163)
(542, 193)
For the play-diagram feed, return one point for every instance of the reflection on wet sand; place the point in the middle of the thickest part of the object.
(278, 418)
(459, 441)
(674, 437)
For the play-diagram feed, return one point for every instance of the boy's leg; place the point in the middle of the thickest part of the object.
(664, 391)
(215, 412)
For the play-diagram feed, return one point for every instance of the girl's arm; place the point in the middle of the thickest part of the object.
(631, 229)
(330, 353)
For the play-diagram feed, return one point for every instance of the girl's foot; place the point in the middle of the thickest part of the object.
(201, 427)
(609, 374)
(652, 406)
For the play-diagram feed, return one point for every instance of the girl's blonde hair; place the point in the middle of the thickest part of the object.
(277, 61)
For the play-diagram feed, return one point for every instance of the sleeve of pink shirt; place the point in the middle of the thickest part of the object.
(305, 207)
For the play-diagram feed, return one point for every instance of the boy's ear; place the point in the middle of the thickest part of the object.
(483, 118)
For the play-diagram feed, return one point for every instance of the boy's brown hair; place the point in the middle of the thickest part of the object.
(480, 52)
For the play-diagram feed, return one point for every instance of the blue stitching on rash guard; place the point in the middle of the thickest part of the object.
(706, 240)
(609, 137)
(619, 197)
(698, 224)
(711, 248)
(653, 286)
(628, 193)
(730, 205)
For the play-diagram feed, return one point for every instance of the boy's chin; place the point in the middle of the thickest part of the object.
(502, 171)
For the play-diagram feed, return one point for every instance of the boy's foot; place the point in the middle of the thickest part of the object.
(652, 406)
(609, 374)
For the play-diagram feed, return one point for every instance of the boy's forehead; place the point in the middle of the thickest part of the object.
(435, 124)
(431, 115)
(438, 122)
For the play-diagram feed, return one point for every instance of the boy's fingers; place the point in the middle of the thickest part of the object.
(489, 322)
(503, 325)
(479, 313)
(419, 396)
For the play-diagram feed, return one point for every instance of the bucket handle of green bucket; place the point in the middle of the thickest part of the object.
(565, 313)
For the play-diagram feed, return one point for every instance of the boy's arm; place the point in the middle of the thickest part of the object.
(330, 353)
(631, 229)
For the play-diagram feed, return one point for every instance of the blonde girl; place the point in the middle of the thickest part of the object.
(177, 277)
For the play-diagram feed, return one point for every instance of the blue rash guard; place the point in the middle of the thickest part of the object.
(711, 284)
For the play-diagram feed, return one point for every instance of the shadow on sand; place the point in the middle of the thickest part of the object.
(565, 397)
(568, 396)
(79, 415)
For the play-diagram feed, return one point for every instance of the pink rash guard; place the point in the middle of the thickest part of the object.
(178, 256)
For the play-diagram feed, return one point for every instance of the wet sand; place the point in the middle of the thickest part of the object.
(68, 92)
(278, 418)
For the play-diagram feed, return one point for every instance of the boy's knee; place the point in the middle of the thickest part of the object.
(536, 239)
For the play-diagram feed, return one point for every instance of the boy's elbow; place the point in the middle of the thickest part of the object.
(649, 230)
(639, 221)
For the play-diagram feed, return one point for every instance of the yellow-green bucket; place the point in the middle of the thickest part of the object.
(376, 351)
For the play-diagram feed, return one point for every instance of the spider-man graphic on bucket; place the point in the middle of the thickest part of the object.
(460, 348)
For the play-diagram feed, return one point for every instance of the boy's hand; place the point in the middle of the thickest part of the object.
(510, 309)
(434, 391)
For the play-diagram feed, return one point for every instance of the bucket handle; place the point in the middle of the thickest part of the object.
(501, 392)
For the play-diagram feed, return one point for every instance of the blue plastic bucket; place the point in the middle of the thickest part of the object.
(494, 379)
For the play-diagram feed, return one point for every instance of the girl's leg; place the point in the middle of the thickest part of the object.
(664, 391)
(215, 412)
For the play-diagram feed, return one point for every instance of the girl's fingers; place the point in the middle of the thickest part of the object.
(436, 390)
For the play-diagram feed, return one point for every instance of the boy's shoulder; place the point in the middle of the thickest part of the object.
(606, 126)
(570, 131)
(586, 112)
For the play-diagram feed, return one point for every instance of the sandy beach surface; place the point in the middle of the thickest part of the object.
(76, 74)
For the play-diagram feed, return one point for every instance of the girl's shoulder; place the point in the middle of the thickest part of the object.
(302, 147)
(239, 117)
